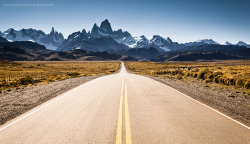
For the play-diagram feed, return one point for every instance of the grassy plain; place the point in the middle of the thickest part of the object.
(225, 73)
(15, 74)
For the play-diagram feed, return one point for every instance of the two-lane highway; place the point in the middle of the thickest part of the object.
(123, 108)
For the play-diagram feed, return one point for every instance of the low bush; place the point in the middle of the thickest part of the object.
(195, 75)
(239, 83)
(247, 84)
(187, 74)
(74, 74)
(179, 77)
(27, 80)
(216, 74)
(207, 80)
(202, 74)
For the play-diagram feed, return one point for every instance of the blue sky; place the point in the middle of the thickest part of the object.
(181, 20)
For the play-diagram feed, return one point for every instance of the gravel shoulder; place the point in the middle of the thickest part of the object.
(19, 100)
(230, 101)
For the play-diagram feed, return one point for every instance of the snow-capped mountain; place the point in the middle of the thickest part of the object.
(87, 40)
(227, 43)
(105, 30)
(51, 41)
(123, 38)
(201, 42)
(157, 42)
(210, 41)
(141, 42)
(241, 43)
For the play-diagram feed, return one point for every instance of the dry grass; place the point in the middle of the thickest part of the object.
(225, 73)
(15, 74)
(223, 85)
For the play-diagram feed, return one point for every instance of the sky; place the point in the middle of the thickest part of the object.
(181, 20)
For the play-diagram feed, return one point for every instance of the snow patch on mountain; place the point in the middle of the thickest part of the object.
(129, 41)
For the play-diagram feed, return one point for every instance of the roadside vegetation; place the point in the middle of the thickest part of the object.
(223, 85)
(16, 74)
(224, 73)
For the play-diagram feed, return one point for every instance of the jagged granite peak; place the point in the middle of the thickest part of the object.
(78, 36)
(95, 31)
(52, 31)
(84, 31)
(143, 37)
(169, 40)
(8, 30)
(118, 32)
(157, 39)
(126, 34)
(106, 27)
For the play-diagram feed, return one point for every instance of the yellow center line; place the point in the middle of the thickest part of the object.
(127, 122)
(128, 131)
(119, 123)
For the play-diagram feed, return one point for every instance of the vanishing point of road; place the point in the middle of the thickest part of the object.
(123, 108)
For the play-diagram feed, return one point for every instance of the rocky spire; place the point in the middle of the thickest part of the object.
(106, 27)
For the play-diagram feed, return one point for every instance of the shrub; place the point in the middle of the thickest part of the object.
(216, 74)
(27, 80)
(195, 75)
(210, 76)
(51, 80)
(202, 74)
(239, 83)
(247, 84)
(221, 80)
(179, 77)
(207, 80)
(187, 74)
(73, 74)
(216, 79)
(232, 81)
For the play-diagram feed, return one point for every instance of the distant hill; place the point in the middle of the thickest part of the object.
(213, 47)
(141, 53)
(23, 44)
(204, 55)
(29, 51)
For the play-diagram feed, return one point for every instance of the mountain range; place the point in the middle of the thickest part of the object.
(114, 42)
(50, 41)
(101, 38)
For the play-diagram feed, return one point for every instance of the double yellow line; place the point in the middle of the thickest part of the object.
(127, 122)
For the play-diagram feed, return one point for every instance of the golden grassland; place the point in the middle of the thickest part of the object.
(15, 74)
(224, 73)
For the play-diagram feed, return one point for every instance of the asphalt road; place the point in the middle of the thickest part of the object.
(123, 108)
